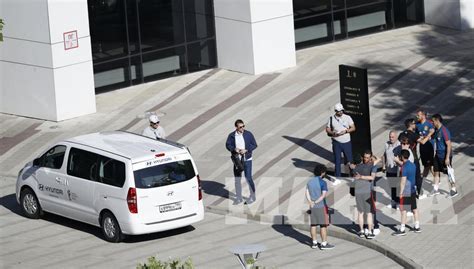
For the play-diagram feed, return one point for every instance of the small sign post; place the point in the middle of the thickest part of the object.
(71, 41)
(354, 92)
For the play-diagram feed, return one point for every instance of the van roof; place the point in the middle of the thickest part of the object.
(129, 145)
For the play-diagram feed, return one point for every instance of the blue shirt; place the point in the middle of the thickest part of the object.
(316, 186)
(423, 129)
(441, 136)
(409, 171)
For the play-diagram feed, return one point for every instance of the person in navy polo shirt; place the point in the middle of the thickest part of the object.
(316, 191)
(443, 157)
(407, 194)
(242, 142)
(425, 130)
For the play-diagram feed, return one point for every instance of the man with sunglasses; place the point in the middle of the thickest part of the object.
(339, 128)
(242, 142)
(154, 130)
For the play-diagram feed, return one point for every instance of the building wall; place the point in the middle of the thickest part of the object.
(255, 36)
(456, 14)
(39, 78)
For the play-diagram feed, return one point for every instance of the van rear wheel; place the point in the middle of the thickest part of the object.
(30, 204)
(111, 228)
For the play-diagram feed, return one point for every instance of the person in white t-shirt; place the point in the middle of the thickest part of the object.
(339, 128)
(154, 130)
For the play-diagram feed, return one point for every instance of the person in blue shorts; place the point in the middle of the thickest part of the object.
(316, 191)
(407, 194)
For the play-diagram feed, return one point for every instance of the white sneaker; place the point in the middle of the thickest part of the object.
(423, 196)
(366, 231)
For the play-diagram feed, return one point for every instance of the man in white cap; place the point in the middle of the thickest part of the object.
(154, 131)
(339, 128)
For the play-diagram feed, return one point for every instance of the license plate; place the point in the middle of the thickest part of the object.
(170, 207)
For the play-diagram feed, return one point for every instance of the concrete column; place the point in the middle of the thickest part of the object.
(456, 14)
(41, 75)
(467, 14)
(255, 36)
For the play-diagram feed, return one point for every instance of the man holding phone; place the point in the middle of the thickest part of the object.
(339, 127)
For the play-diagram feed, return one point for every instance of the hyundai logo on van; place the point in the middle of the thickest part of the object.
(167, 159)
(170, 193)
(41, 187)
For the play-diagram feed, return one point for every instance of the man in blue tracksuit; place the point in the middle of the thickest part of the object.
(241, 143)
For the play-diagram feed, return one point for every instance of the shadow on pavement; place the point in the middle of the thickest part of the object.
(289, 231)
(215, 188)
(9, 202)
(311, 147)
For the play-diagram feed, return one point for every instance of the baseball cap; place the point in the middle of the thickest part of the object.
(154, 118)
(338, 107)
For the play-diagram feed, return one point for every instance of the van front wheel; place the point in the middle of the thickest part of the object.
(110, 228)
(30, 204)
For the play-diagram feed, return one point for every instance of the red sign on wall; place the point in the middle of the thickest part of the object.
(71, 41)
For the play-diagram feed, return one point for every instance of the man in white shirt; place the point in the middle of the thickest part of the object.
(390, 167)
(242, 143)
(154, 130)
(339, 128)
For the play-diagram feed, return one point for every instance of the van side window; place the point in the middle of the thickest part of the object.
(54, 157)
(82, 164)
(111, 172)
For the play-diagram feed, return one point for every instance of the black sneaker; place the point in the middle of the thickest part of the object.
(314, 246)
(361, 234)
(326, 247)
(399, 233)
(453, 193)
(370, 236)
(417, 230)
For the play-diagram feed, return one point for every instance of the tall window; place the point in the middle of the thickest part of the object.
(321, 21)
(135, 41)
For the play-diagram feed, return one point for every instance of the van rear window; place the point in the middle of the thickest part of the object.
(164, 174)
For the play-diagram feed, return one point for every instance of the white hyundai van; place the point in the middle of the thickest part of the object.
(124, 183)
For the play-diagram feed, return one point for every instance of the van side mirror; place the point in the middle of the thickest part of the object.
(36, 162)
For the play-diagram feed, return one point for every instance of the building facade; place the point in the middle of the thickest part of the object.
(58, 54)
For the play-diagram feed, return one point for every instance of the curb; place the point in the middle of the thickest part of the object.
(335, 231)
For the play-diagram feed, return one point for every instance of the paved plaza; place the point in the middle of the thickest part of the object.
(408, 68)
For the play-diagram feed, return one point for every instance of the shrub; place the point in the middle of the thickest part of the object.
(154, 263)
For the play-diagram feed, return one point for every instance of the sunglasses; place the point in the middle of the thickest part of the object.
(405, 143)
(241, 127)
(155, 123)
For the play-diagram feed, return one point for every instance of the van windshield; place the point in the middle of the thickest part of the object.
(164, 174)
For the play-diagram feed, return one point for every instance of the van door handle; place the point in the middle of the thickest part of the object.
(105, 196)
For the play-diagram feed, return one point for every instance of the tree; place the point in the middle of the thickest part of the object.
(1, 27)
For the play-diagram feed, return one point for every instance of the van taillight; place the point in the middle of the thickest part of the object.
(199, 188)
(132, 200)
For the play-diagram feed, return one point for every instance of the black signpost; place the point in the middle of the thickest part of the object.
(355, 99)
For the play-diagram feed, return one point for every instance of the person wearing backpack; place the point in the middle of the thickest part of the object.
(339, 127)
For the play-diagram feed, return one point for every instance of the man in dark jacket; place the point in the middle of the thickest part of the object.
(241, 144)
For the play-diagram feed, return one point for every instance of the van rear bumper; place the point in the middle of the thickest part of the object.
(136, 228)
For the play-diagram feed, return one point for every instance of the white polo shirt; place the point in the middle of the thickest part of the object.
(340, 124)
